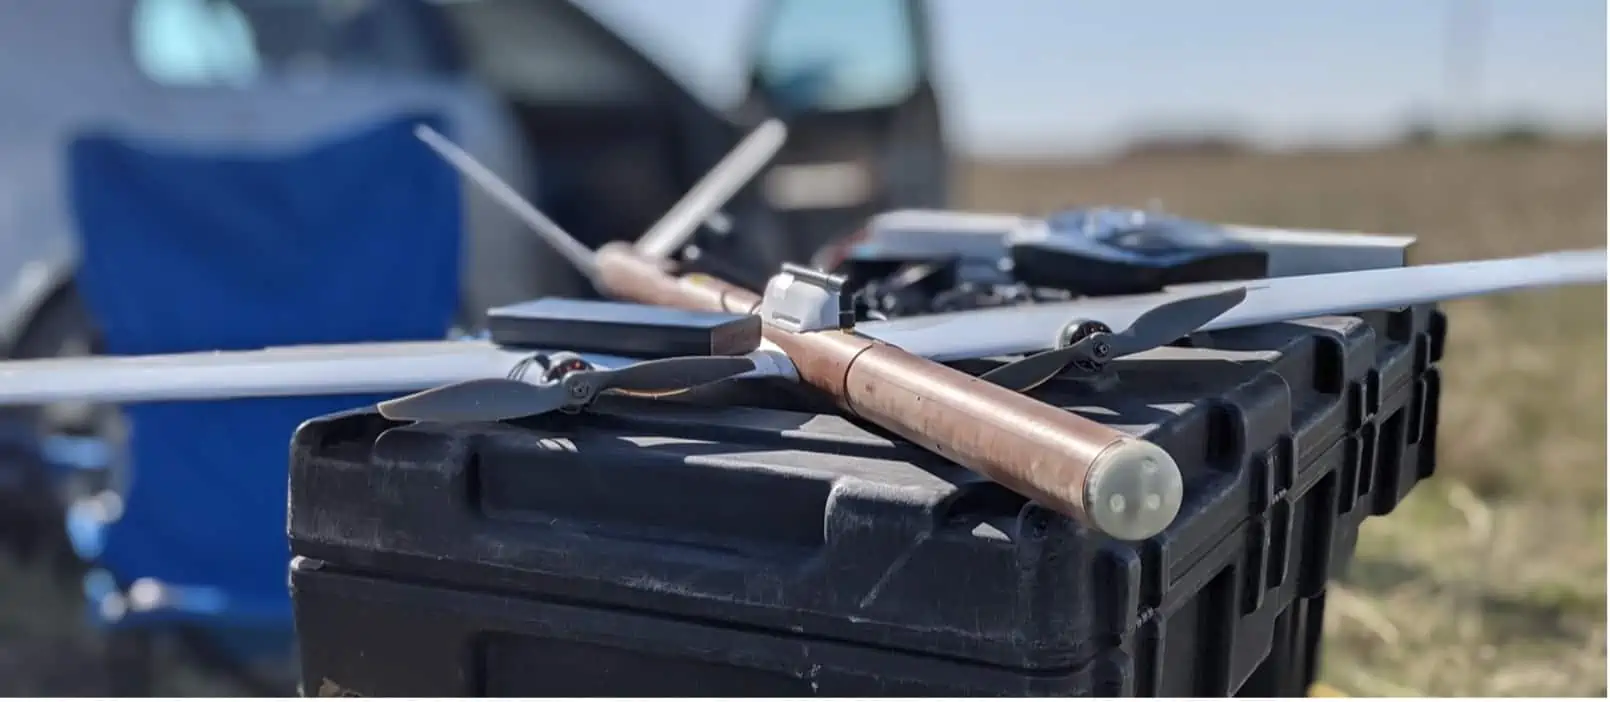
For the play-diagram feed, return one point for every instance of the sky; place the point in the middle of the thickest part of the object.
(1084, 75)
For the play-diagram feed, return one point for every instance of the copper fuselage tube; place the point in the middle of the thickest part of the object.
(1039, 451)
(1042, 452)
(626, 274)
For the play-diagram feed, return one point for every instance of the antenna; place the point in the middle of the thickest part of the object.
(667, 235)
(579, 255)
(718, 186)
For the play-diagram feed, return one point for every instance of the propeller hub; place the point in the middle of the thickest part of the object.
(1100, 351)
(563, 364)
(1079, 330)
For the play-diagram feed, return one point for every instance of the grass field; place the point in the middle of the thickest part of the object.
(1490, 578)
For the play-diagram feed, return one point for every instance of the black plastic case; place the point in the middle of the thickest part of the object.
(657, 549)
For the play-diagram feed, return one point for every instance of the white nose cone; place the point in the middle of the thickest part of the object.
(1134, 490)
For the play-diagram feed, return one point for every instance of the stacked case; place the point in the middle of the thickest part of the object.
(651, 549)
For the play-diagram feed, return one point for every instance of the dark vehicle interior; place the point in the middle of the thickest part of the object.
(854, 79)
(615, 139)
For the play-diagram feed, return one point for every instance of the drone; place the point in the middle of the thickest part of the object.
(557, 355)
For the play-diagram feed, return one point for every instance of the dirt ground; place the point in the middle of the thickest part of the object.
(48, 650)
(1489, 580)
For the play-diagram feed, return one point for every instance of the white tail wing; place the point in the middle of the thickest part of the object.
(996, 332)
(1279, 299)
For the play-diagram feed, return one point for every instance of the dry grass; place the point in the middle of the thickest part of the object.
(1490, 579)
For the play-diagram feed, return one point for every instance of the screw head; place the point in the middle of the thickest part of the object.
(579, 388)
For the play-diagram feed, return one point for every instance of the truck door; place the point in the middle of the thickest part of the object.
(853, 80)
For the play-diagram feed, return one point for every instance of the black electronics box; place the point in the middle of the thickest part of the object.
(656, 549)
(634, 330)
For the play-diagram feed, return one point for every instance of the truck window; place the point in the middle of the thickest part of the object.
(193, 42)
(210, 42)
(834, 55)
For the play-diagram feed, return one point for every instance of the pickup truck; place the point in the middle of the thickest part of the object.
(596, 132)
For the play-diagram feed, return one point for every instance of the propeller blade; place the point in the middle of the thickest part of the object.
(1172, 320)
(497, 399)
(670, 376)
(1153, 328)
(481, 400)
(1031, 372)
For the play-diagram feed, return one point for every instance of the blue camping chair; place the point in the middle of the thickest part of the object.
(353, 239)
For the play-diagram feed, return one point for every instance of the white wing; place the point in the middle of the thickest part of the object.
(336, 369)
(996, 332)
(274, 372)
(409, 366)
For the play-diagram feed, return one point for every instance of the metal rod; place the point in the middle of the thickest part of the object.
(718, 186)
(574, 251)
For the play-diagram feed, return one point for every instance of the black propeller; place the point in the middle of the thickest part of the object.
(496, 399)
(1156, 327)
